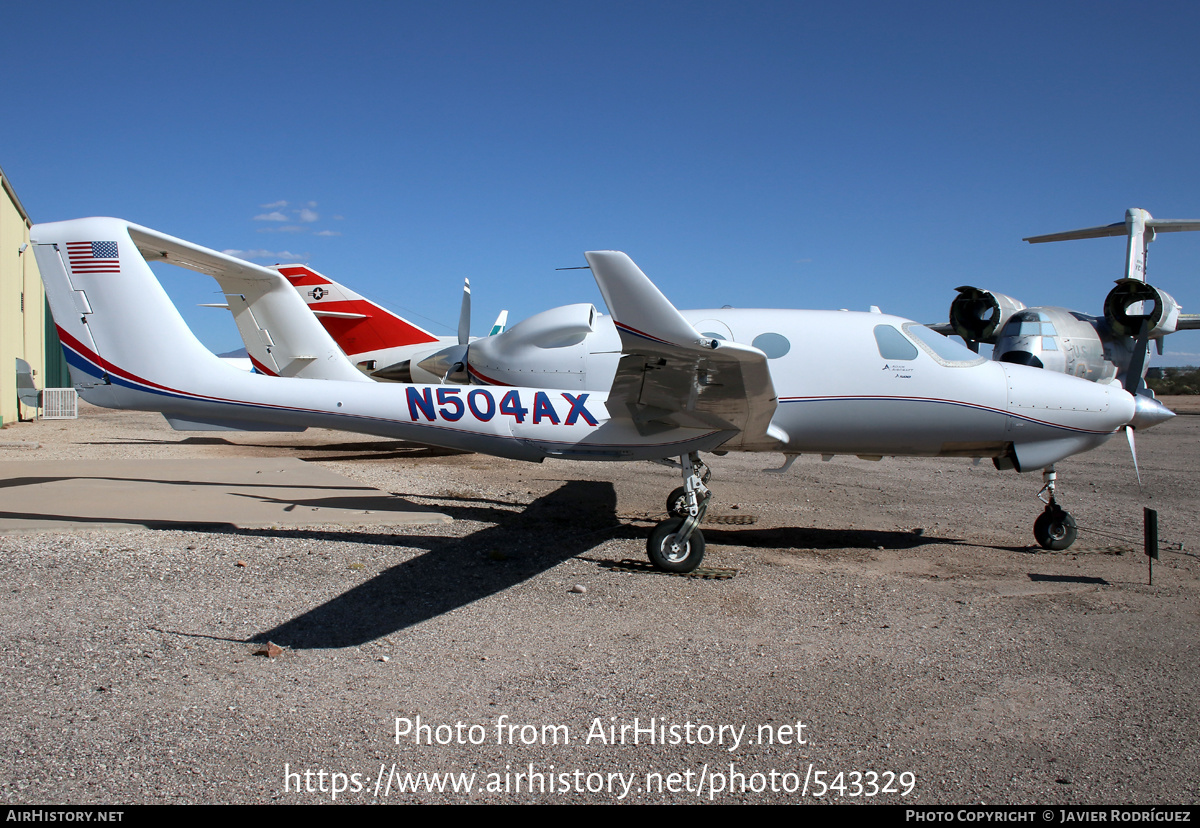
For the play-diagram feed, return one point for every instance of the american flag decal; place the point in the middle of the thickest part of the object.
(93, 257)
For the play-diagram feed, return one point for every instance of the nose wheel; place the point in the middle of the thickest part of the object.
(1054, 528)
(668, 553)
(677, 544)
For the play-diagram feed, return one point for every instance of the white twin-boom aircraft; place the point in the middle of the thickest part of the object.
(677, 383)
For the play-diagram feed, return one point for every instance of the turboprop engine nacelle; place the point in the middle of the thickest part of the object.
(1133, 301)
(977, 315)
(557, 346)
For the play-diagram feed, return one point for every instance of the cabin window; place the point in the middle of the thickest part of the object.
(772, 344)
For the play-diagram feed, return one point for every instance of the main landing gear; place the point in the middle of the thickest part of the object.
(1055, 528)
(677, 544)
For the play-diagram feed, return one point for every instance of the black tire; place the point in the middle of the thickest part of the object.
(1055, 529)
(677, 503)
(661, 555)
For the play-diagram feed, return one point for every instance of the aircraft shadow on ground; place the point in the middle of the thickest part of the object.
(16, 482)
(1067, 579)
(389, 450)
(788, 537)
(455, 572)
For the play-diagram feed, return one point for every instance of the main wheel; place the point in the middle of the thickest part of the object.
(677, 503)
(663, 556)
(1055, 529)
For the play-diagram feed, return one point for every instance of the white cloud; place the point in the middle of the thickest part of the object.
(275, 216)
(274, 255)
(274, 206)
(308, 215)
(328, 233)
(291, 228)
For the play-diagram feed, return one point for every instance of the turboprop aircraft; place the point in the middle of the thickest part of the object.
(890, 387)
(1098, 348)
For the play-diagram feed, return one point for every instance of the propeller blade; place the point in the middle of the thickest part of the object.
(1133, 376)
(464, 316)
(1133, 451)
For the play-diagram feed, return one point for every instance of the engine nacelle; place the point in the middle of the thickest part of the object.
(1132, 301)
(552, 349)
(977, 315)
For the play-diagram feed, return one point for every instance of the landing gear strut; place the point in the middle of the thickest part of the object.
(1055, 528)
(677, 544)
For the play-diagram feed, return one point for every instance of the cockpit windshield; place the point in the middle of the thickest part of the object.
(942, 348)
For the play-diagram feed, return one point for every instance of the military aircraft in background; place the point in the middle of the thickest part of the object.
(382, 344)
(646, 383)
(1098, 348)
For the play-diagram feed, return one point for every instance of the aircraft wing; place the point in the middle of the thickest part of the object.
(282, 337)
(669, 375)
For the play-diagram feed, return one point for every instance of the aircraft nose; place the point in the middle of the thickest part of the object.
(1053, 416)
(1066, 401)
(1149, 412)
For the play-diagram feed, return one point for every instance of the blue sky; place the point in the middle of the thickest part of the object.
(769, 154)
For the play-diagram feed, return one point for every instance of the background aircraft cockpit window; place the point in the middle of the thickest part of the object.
(942, 348)
(772, 344)
(1029, 324)
(892, 344)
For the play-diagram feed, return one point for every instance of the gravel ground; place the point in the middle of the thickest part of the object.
(895, 610)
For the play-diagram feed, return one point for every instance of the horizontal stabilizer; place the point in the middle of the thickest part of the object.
(337, 315)
(280, 335)
(1118, 229)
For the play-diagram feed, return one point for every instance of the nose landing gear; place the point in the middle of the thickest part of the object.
(677, 544)
(1054, 528)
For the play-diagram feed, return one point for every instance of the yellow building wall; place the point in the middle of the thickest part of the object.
(22, 305)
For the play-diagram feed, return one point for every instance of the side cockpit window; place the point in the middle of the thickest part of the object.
(893, 344)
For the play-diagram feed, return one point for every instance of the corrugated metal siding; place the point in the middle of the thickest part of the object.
(22, 304)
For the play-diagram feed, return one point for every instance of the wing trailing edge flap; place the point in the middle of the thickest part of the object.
(279, 331)
(672, 377)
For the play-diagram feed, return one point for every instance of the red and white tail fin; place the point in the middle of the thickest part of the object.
(357, 324)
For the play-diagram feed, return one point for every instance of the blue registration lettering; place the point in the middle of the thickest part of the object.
(577, 409)
(419, 400)
(543, 408)
(449, 396)
(511, 405)
(481, 415)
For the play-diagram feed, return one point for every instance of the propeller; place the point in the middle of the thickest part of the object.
(464, 316)
(1133, 383)
(1133, 451)
(453, 358)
